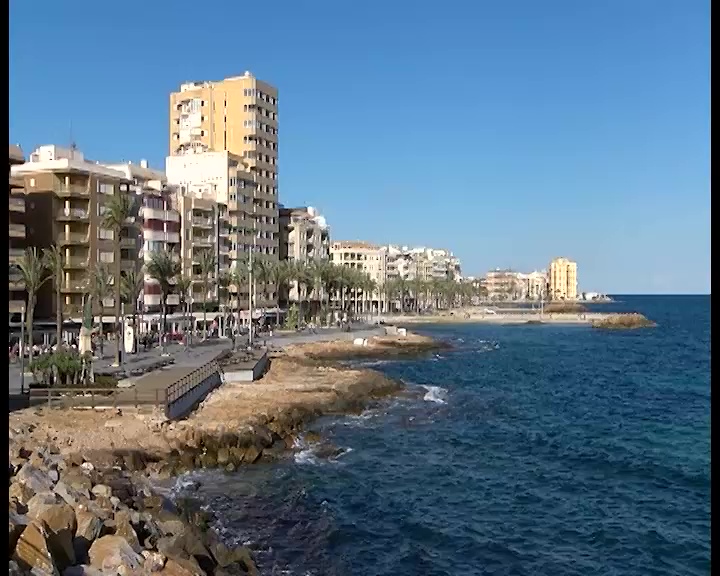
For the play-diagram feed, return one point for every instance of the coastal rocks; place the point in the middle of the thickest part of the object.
(623, 322)
(114, 553)
(99, 521)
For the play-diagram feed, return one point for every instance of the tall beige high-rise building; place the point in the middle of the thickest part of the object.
(562, 279)
(238, 114)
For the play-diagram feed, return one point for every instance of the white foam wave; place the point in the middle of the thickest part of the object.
(306, 456)
(435, 394)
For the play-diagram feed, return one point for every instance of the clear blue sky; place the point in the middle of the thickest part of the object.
(507, 131)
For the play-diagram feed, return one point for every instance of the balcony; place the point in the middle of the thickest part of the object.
(76, 262)
(75, 287)
(128, 242)
(71, 215)
(159, 214)
(73, 238)
(17, 182)
(199, 222)
(16, 282)
(17, 231)
(71, 190)
(17, 203)
(203, 241)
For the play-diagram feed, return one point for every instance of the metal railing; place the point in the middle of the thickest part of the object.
(98, 397)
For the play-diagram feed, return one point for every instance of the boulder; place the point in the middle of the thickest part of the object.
(252, 454)
(20, 492)
(223, 456)
(181, 567)
(83, 570)
(101, 490)
(76, 478)
(154, 561)
(169, 523)
(18, 523)
(32, 551)
(71, 495)
(114, 553)
(123, 527)
(88, 530)
(35, 479)
(60, 522)
(40, 502)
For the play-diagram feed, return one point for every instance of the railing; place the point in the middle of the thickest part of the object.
(16, 253)
(198, 221)
(73, 213)
(73, 238)
(17, 229)
(71, 190)
(17, 203)
(96, 397)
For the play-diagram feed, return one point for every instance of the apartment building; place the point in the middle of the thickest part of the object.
(16, 217)
(562, 279)
(424, 263)
(67, 196)
(237, 115)
(503, 284)
(221, 210)
(304, 237)
(160, 221)
(369, 258)
(533, 285)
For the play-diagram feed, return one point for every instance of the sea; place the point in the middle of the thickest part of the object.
(524, 450)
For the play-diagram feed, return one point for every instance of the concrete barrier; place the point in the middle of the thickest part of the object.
(248, 374)
(186, 403)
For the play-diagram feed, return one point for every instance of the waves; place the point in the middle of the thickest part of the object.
(435, 394)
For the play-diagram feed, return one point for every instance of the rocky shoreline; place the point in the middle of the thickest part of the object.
(97, 513)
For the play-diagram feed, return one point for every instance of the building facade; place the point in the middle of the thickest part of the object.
(67, 196)
(562, 279)
(237, 115)
(304, 237)
(17, 241)
(160, 224)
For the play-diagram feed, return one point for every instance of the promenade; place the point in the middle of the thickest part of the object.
(184, 359)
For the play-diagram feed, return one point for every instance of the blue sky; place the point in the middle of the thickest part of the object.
(509, 132)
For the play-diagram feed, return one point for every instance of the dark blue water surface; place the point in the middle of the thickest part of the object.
(527, 450)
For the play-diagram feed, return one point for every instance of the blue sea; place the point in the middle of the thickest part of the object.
(525, 450)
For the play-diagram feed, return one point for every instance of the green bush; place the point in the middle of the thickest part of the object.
(64, 367)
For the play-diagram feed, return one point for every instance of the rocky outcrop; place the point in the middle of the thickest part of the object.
(72, 518)
(623, 321)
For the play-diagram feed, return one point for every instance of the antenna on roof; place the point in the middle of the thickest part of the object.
(73, 145)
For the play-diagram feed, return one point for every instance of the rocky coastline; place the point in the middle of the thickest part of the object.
(81, 497)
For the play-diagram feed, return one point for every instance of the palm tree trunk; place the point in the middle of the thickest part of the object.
(118, 271)
(58, 314)
(29, 320)
(277, 307)
(205, 291)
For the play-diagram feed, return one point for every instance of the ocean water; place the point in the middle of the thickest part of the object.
(526, 450)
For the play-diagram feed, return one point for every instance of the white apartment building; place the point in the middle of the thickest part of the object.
(221, 212)
(371, 259)
(160, 224)
(304, 237)
(424, 263)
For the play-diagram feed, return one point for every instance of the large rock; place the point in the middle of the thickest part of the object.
(181, 567)
(18, 523)
(102, 491)
(32, 551)
(114, 553)
(83, 570)
(59, 521)
(77, 478)
(35, 479)
(88, 530)
(71, 495)
(225, 556)
(20, 492)
(41, 501)
(123, 527)
(154, 561)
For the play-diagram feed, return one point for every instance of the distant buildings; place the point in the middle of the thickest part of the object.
(562, 279)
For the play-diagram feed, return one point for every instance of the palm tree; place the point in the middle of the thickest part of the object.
(278, 274)
(54, 261)
(327, 278)
(132, 283)
(238, 278)
(164, 268)
(223, 286)
(207, 263)
(34, 274)
(183, 286)
(119, 209)
(101, 288)
(417, 286)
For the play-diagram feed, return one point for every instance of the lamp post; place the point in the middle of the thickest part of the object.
(121, 336)
(22, 350)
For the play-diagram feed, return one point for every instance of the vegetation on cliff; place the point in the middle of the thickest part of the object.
(623, 321)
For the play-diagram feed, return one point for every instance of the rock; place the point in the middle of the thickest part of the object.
(14, 569)
(102, 490)
(230, 467)
(77, 479)
(223, 456)
(60, 522)
(32, 551)
(53, 475)
(328, 451)
(40, 502)
(87, 466)
(88, 529)
(75, 459)
(154, 561)
(16, 464)
(181, 567)
(70, 494)
(252, 454)
(153, 502)
(169, 523)
(225, 556)
(83, 570)
(18, 523)
(123, 527)
(312, 437)
(20, 492)
(34, 478)
(114, 553)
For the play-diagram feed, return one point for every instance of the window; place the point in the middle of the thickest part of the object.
(104, 188)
